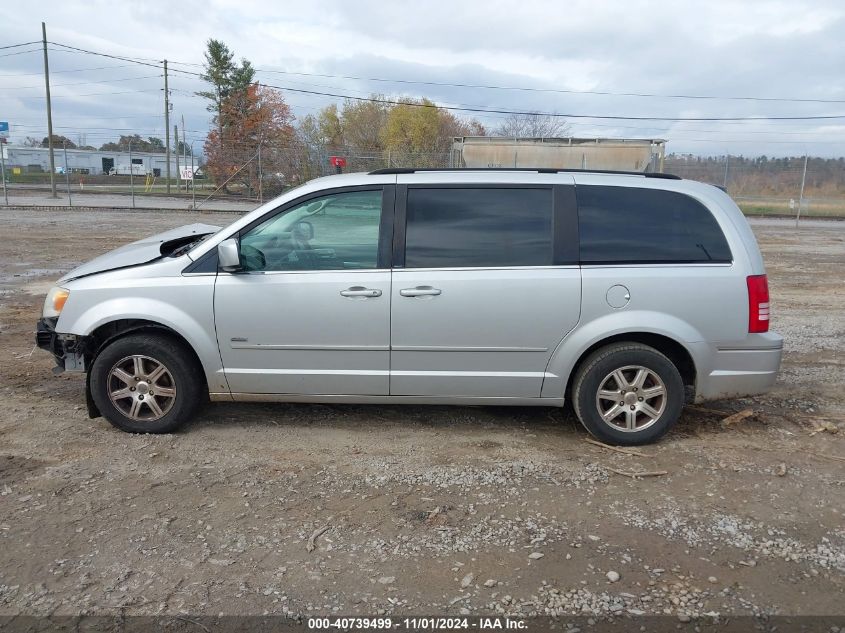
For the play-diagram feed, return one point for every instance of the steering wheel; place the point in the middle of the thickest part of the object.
(252, 258)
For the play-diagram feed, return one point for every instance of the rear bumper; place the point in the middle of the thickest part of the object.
(742, 370)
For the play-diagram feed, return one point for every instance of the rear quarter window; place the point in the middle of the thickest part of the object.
(629, 225)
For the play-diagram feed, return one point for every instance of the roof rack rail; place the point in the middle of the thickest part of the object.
(539, 170)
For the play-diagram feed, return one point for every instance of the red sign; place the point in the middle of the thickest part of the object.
(337, 161)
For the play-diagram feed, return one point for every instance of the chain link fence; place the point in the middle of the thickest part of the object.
(774, 186)
(240, 176)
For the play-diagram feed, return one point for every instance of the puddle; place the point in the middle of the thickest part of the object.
(31, 273)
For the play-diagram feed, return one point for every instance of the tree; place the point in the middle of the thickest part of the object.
(225, 77)
(358, 125)
(31, 141)
(152, 144)
(182, 148)
(413, 125)
(329, 126)
(364, 122)
(533, 125)
(420, 134)
(59, 141)
(414, 132)
(257, 118)
(452, 126)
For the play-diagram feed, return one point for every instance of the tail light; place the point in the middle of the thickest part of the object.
(758, 304)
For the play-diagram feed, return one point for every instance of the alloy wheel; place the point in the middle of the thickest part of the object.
(631, 398)
(141, 388)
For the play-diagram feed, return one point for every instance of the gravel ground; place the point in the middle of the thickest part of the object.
(457, 510)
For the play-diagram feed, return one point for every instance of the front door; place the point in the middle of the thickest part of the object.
(310, 311)
(487, 290)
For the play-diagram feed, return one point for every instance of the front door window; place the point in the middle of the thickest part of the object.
(334, 232)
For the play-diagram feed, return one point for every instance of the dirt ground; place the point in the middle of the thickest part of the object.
(438, 510)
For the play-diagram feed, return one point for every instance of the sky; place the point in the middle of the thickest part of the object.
(559, 54)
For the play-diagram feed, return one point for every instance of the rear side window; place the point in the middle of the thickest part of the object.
(478, 226)
(634, 225)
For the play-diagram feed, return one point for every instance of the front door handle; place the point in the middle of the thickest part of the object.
(420, 291)
(360, 291)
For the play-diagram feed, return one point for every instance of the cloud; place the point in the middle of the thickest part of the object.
(760, 48)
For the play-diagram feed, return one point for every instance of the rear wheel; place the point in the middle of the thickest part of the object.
(628, 394)
(146, 383)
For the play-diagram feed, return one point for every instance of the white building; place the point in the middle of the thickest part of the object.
(85, 161)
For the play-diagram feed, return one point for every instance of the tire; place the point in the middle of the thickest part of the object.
(161, 401)
(649, 388)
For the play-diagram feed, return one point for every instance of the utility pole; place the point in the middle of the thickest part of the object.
(801, 195)
(260, 177)
(49, 113)
(67, 175)
(3, 169)
(725, 181)
(184, 150)
(193, 189)
(176, 145)
(131, 175)
(167, 125)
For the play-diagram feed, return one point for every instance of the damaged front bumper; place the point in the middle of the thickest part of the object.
(70, 352)
(68, 349)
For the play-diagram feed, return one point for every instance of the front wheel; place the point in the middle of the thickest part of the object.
(145, 383)
(628, 394)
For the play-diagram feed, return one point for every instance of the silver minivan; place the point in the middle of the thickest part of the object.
(629, 294)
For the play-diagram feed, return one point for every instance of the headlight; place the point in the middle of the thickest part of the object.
(54, 302)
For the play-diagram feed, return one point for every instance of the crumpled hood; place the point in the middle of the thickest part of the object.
(140, 252)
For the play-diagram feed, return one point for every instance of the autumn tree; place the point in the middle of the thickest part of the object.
(533, 125)
(420, 134)
(452, 126)
(257, 119)
(364, 122)
(358, 125)
(413, 132)
(413, 125)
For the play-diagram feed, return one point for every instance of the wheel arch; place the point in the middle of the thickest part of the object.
(111, 331)
(671, 348)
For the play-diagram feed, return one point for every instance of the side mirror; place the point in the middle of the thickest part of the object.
(228, 255)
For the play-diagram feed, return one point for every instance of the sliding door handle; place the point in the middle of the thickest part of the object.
(420, 291)
(360, 291)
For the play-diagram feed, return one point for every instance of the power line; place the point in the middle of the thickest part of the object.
(479, 109)
(496, 110)
(118, 57)
(18, 45)
(546, 90)
(80, 83)
(564, 115)
(93, 94)
(33, 50)
(73, 70)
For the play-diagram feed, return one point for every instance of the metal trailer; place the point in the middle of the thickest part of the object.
(645, 155)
